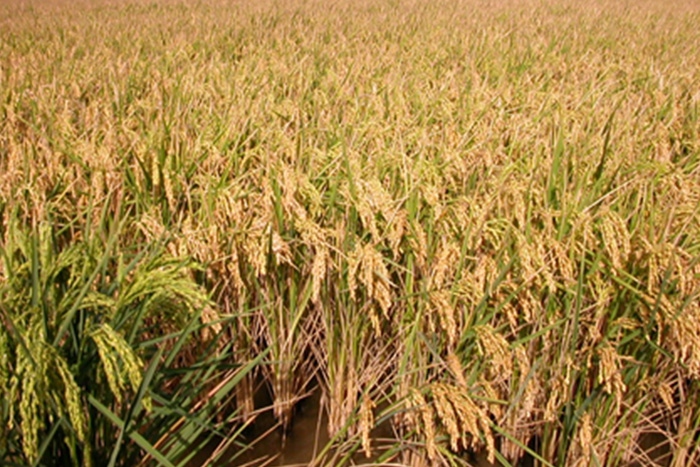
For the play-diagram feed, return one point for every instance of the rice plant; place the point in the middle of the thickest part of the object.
(474, 224)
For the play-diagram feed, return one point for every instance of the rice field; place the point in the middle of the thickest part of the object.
(471, 224)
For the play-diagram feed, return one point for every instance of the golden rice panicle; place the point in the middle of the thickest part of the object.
(443, 308)
(280, 248)
(463, 419)
(168, 183)
(609, 374)
(584, 450)
(366, 423)
(541, 258)
(556, 389)
(448, 417)
(318, 272)
(363, 205)
(686, 273)
(495, 348)
(374, 276)
(423, 422)
(667, 259)
(310, 194)
(371, 264)
(665, 392)
(378, 198)
(444, 264)
(616, 239)
(155, 173)
(528, 308)
(374, 319)
(583, 232)
(256, 247)
(456, 369)
(527, 256)
(432, 195)
(313, 234)
(419, 244)
(684, 338)
(398, 223)
(562, 261)
(492, 393)
(485, 273)
(290, 180)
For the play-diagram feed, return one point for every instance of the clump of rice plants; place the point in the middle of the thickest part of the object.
(475, 223)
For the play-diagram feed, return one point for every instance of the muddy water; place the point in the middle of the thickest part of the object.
(305, 440)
